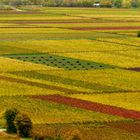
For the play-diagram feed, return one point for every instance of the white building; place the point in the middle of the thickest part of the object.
(97, 4)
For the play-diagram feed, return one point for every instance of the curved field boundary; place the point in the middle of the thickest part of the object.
(64, 22)
(20, 12)
(57, 88)
(93, 106)
(41, 85)
(116, 33)
(100, 19)
(52, 87)
(64, 52)
(113, 42)
(67, 22)
(80, 28)
(132, 127)
(16, 27)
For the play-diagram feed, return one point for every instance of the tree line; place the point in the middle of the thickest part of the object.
(75, 3)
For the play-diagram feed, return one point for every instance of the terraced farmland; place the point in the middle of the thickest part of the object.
(75, 68)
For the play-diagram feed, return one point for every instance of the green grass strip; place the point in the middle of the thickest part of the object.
(65, 63)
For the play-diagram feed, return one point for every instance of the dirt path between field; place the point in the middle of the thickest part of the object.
(2, 130)
(93, 106)
(132, 127)
(67, 22)
(58, 88)
(20, 12)
(137, 69)
(105, 28)
(41, 85)
(79, 28)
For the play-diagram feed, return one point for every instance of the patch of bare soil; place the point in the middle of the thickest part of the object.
(93, 106)
(132, 127)
(137, 69)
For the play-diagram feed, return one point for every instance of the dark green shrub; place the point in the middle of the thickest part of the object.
(23, 125)
(138, 34)
(10, 115)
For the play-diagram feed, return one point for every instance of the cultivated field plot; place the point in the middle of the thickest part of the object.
(73, 67)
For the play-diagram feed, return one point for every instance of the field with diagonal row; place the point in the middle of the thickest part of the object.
(73, 68)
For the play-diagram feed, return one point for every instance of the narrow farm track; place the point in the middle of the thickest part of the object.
(78, 28)
(133, 127)
(124, 44)
(21, 12)
(57, 88)
(106, 28)
(37, 84)
(93, 106)
(137, 69)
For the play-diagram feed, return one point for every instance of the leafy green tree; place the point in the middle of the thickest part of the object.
(23, 125)
(55, 3)
(126, 3)
(118, 3)
(10, 115)
(37, 2)
(16, 2)
(138, 34)
(135, 3)
(106, 3)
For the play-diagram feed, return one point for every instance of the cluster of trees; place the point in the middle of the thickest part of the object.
(84, 3)
(18, 123)
(120, 3)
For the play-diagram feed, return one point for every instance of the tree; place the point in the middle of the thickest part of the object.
(23, 125)
(55, 3)
(37, 2)
(118, 3)
(16, 2)
(106, 3)
(126, 3)
(10, 115)
(135, 3)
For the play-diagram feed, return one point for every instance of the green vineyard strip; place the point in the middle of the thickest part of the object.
(61, 62)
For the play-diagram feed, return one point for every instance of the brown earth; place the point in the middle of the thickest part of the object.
(6, 136)
(26, 27)
(89, 131)
(137, 69)
(93, 106)
(132, 127)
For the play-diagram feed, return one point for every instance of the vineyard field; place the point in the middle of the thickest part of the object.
(72, 69)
